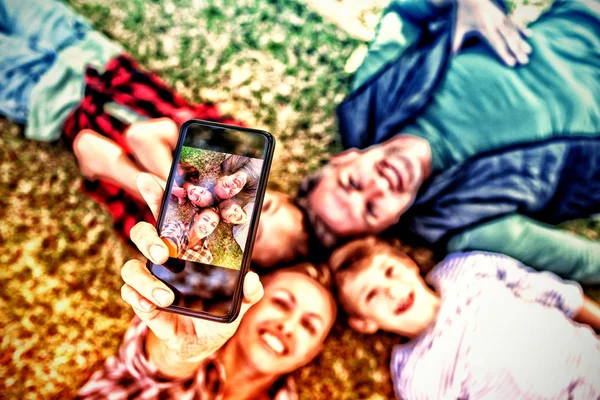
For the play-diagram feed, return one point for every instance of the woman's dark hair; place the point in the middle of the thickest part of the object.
(186, 172)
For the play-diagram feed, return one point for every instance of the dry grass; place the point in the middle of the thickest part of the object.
(274, 64)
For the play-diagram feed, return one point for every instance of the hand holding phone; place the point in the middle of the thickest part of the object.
(183, 341)
(208, 217)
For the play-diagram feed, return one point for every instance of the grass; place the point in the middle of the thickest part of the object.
(276, 65)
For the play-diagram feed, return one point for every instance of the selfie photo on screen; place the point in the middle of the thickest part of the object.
(208, 200)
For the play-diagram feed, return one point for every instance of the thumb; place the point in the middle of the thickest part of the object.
(151, 190)
(253, 291)
(459, 37)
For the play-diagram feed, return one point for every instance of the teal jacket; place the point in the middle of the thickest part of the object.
(482, 106)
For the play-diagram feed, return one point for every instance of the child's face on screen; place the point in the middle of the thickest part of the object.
(234, 214)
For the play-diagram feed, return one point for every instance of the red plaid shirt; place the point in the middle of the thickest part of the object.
(124, 83)
(130, 375)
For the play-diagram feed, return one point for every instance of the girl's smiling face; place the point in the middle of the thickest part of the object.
(205, 223)
(199, 196)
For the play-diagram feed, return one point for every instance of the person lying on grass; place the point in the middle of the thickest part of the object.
(239, 178)
(481, 325)
(189, 242)
(187, 185)
(67, 82)
(501, 151)
(281, 327)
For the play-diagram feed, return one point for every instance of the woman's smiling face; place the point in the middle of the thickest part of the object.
(205, 223)
(287, 327)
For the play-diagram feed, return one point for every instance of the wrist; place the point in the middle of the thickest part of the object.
(172, 363)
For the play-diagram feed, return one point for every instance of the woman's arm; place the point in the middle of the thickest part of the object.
(535, 244)
(178, 192)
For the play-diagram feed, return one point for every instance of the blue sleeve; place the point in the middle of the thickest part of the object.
(541, 287)
(538, 245)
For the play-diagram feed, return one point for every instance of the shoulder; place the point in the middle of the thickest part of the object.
(464, 266)
(173, 226)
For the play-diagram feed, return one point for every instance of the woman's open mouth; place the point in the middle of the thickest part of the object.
(273, 343)
(406, 304)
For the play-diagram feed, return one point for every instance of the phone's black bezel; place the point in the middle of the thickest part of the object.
(268, 156)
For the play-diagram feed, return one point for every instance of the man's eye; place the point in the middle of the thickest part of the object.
(353, 183)
(389, 272)
(370, 295)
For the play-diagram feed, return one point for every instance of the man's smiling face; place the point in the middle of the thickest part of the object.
(362, 192)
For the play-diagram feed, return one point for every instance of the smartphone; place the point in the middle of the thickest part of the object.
(209, 216)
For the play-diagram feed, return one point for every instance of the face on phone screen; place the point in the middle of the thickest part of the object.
(209, 215)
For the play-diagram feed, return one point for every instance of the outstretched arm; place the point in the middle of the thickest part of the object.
(538, 245)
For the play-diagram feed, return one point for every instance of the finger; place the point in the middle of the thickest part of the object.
(459, 36)
(161, 323)
(514, 42)
(136, 275)
(253, 292)
(152, 189)
(145, 237)
(141, 305)
(497, 43)
(525, 31)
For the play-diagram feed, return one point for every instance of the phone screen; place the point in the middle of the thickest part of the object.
(209, 215)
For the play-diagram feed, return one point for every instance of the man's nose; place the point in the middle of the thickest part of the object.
(376, 186)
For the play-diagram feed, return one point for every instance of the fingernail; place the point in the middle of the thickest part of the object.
(145, 304)
(161, 296)
(158, 252)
